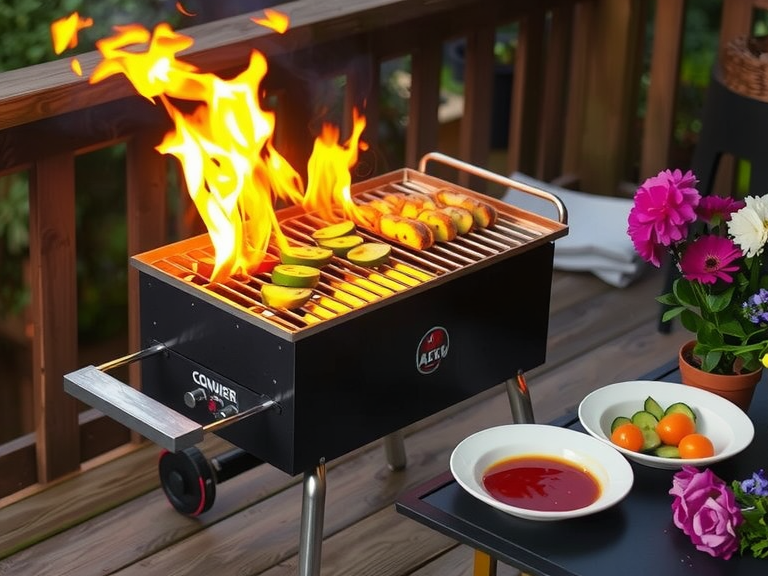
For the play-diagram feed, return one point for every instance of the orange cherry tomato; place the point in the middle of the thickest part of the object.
(696, 446)
(628, 436)
(674, 427)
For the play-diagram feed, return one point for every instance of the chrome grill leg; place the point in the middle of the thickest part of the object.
(312, 515)
(394, 448)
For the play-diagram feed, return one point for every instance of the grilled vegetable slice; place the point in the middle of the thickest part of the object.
(295, 275)
(334, 230)
(411, 233)
(370, 254)
(461, 217)
(441, 224)
(342, 244)
(483, 214)
(285, 297)
(316, 256)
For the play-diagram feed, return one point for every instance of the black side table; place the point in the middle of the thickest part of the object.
(634, 538)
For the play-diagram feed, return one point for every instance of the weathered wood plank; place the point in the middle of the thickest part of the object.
(54, 313)
(526, 89)
(665, 67)
(610, 99)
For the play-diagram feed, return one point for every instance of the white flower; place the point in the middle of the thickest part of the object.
(749, 226)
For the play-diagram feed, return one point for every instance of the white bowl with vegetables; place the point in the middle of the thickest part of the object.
(644, 403)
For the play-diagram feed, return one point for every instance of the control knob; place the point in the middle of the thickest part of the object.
(192, 397)
(226, 412)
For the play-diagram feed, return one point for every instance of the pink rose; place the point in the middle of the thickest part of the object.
(705, 509)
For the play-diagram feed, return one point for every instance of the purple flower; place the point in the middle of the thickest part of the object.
(705, 509)
(755, 309)
(709, 259)
(757, 485)
(664, 207)
(716, 209)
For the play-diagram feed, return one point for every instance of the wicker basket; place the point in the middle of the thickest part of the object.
(745, 66)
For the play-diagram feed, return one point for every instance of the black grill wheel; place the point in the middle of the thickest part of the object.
(188, 481)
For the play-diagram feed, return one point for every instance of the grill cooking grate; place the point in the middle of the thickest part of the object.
(346, 288)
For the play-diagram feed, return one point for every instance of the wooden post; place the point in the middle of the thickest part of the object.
(610, 95)
(146, 213)
(54, 313)
(665, 69)
(421, 135)
(526, 93)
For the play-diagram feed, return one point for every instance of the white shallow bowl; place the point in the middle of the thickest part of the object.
(724, 423)
(472, 457)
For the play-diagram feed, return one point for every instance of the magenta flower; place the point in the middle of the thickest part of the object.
(705, 509)
(717, 209)
(709, 259)
(664, 207)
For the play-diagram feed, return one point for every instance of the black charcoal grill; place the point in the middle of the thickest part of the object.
(373, 351)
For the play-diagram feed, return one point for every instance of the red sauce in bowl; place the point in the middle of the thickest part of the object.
(542, 483)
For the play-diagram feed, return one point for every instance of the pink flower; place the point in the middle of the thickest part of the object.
(705, 509)
(664, 207)
(717, 209)
(710, 258)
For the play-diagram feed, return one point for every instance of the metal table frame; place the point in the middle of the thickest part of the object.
(634, 538)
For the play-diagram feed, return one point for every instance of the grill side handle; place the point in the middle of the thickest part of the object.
(132, 408)
(562, 212)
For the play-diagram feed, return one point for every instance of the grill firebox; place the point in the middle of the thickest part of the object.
(346, 374)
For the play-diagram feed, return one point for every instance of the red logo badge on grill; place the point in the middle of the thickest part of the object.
(432, 349)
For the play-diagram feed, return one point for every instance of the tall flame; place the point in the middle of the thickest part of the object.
(232, 170)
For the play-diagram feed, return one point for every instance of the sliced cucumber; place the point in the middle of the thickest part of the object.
(644, 420)
(651, 440)
(342, 244)
(370, 254)
(667, 451)
(618, 421)
(654, 408)
(334, 230)
(316, 256)
(682, 408)
(295, 276)
(284, 297)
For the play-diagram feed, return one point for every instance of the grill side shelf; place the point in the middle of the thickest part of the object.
(137, 411)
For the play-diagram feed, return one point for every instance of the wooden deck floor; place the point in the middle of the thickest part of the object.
(113, 519)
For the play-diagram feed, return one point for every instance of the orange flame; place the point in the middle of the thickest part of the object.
(274, 20)
(64, 31)
(181, 10)
(329, 180)
(232, 170)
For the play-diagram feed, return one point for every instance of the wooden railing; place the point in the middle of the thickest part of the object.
(572, 116)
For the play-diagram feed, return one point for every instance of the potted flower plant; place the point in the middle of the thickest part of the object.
(717, 245)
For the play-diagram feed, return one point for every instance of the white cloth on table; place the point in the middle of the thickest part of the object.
(597, 239)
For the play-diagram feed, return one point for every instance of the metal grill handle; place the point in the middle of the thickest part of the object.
(562, 212)
(132, 408)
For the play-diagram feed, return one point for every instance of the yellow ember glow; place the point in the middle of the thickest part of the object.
(76, 67)
(64, 31)
(223, 139)
(273, 19)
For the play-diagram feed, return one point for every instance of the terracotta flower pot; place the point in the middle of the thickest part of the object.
(738, 388)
